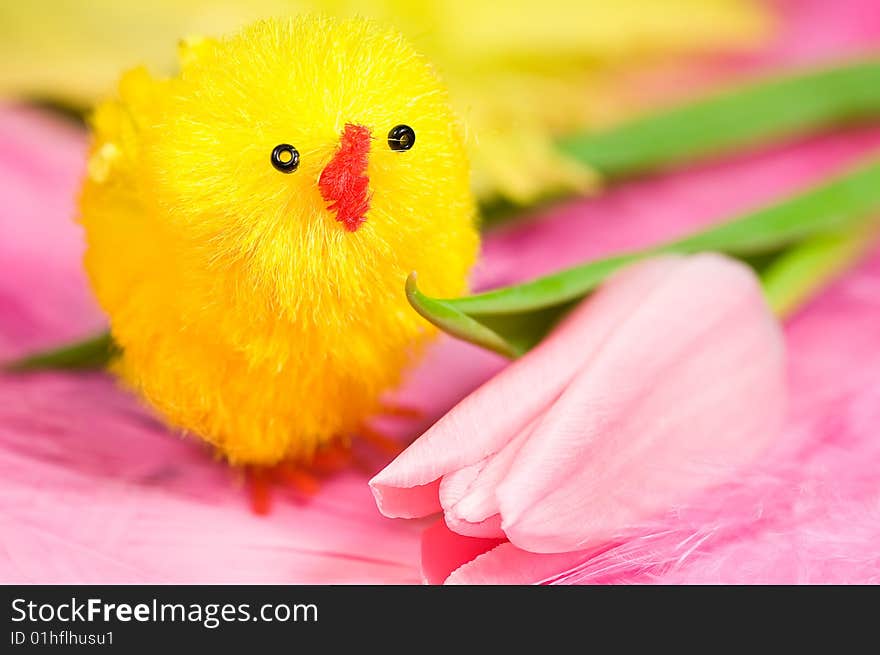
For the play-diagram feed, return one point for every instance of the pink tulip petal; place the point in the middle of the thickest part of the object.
(410, 502)
(474, 501)
(485, 421)
(506, 564)
(455, 485)
(686, 390)
(488, 528)
(443, 551)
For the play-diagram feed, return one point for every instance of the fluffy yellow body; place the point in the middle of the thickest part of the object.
(246, 313)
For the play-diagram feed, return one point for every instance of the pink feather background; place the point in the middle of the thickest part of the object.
(94, 490)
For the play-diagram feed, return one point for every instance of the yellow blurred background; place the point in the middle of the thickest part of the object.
(520, 72)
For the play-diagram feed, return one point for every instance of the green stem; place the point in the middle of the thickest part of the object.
(805, 269)
(92, 353)
(807, 239)
(770, 110)
(835, 206)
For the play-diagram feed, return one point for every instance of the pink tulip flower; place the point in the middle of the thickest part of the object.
(667, 381)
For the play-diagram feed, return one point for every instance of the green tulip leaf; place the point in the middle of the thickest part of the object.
(802, 270)
(774, 109)
(512, 319)
(95, 352)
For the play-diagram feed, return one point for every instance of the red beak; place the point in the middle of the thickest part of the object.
(344, 183)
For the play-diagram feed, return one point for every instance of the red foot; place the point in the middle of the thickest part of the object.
(263, 481)
(298, 479)
(380, 442)
(331, 459)
(305, 479)
(402, 411)
(260, 490)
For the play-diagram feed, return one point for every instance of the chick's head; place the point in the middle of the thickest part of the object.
(312, 164)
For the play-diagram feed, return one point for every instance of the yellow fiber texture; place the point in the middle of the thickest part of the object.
(246, 313)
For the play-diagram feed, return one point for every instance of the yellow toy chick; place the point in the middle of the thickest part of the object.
(251, 223)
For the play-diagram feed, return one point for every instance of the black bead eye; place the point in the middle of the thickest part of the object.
(285, 158)
(401, 137)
